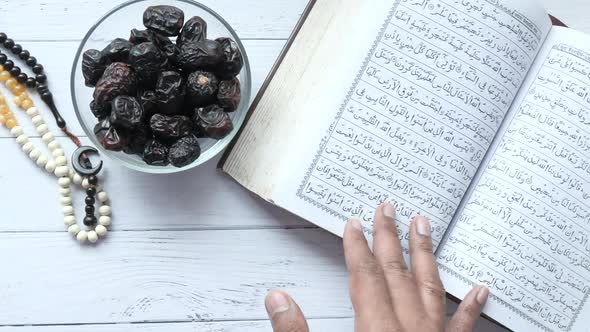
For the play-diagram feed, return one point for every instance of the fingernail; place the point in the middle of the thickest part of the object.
(355, 223)
(388, 211)
(482, 295)
(276, 303)
(422, 226)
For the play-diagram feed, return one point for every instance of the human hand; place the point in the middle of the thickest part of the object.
(385, 295)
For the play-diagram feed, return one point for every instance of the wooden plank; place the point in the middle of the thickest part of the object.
(197, 199)
(168, 276)
(57, 57)
(70, 20)
(335, 324)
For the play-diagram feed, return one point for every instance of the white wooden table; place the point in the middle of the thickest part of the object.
(189, 252)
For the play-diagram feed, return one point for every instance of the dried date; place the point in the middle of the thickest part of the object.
(170, 127)
(126, 112)
(93, 66)
(194, 30)
(213, 121)
(198, 55)
(229, 94)
(232, 60)
(148, 61)
(201, 88)
(167, 20)
(117, 51)
(149, 102)
(118, 79)
(155, 153)
(137, 140)
(185, 151)
(170, 92)
(114, 139)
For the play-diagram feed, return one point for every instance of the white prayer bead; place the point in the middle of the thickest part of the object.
(64, 182)
(82, 236)
(92, 236)
(77, 179)
(48, 138)
(105, 210)
(50, 166)
(16, 131)
(101, 230)
(69, 220)
(32, 112)
(42, 129)
(74, 229)
(65, 200)
(102, 197)
(22, 139)
(58, 153)
(38, 120)
(53, 146)
(62, 171)
(68, 210)
(42, 161)
(85, 183)
(105, 220)
(34, 155)
(65, 191)
(28, 147)
(61, 161)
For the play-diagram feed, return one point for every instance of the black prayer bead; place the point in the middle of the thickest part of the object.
(41, 78)
(31, 83)
(31, 61)
(3, 58)
(8, 65)
(24, 55)
(93, 180)
(90, 200)
(22, 78)
(89, 209)
(16, 49)
(3, 37)
(42, 88)
(89, 220)
(91, 191)
(15, 71)
(38, 68)
(8, 43)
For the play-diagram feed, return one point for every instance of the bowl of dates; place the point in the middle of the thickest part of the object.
(161, 86)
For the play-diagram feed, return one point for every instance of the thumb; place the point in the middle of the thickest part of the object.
(284, 313)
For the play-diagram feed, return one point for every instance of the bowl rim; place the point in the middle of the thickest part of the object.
(238, 121)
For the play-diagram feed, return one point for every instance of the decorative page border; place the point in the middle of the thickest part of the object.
(332, 127)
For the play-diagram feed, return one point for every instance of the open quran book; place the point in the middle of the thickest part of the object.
(475, 113)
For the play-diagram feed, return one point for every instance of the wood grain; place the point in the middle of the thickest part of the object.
(70, 20)
(168, 276)
(341, 325)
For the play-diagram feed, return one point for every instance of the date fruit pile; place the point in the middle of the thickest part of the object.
(155, 97)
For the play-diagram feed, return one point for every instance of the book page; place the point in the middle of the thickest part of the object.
(525, 230)
(415, 124)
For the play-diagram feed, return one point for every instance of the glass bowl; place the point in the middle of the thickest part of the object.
(117, 23)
